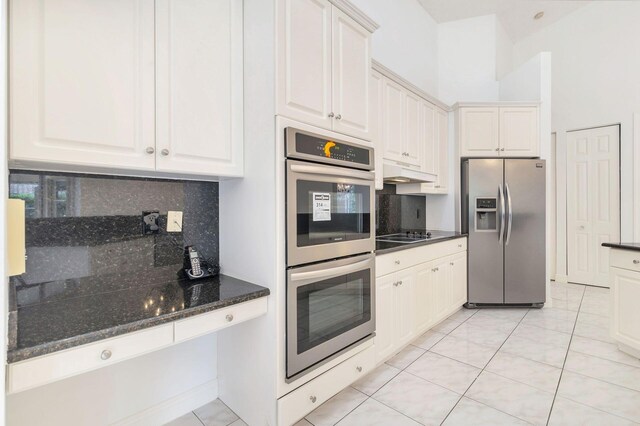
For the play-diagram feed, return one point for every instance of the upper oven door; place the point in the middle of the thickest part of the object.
(329, 212)
(330, 306)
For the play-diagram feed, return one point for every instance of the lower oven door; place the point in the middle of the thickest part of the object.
(330, 307)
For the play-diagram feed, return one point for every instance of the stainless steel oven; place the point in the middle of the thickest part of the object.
(330, 308)
(330, 198)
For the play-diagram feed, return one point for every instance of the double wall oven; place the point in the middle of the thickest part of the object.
(330, 242)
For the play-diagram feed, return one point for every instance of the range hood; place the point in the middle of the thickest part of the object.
(395, 174)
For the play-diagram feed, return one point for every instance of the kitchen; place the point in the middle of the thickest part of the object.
(276, 173)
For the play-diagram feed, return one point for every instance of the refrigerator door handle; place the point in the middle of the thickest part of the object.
(502, 215)
(510, 214)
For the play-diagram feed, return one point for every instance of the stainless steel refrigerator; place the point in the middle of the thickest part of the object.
(503, 212)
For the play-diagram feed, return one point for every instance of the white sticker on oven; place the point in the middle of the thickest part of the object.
(321, 206)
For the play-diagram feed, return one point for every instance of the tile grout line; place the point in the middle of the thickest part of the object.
(566, 355)
(483, 369)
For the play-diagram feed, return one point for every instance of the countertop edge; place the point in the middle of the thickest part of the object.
(23, 354)
(402, 246)
(622, 246)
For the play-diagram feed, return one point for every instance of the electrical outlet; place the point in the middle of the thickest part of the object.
(174, 221)
(150, 222)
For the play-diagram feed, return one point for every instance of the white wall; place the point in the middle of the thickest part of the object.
(596, 64)
(407, 40)
(3, 196)
(113, 393)
(504, 51)
(467, 60)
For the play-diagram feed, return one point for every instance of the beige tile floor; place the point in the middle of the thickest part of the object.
(555, 366)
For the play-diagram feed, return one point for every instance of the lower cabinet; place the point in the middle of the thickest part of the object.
(625, 293)
(414, 299)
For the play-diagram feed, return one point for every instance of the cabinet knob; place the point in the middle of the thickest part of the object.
(397, 262)
(229, 317)
(359, 369)
(164, 152)
(400, 282)
(331, 115)
(338, 117)
(395, 284)
(150, 150)
(501, 149)
(451, 263)
(105, 355)
(636, 261)
(460, 245)
(497, 149)
(313, 399)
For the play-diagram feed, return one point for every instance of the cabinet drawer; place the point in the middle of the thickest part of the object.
(199, 325)
(48, 368)
(297, 404)
(392, 262)
(625, 259)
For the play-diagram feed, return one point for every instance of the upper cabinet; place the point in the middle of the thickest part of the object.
(499, 131)
(376, 91)
(324, 66)
(131, 85)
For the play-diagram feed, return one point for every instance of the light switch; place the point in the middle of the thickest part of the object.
(174, 221)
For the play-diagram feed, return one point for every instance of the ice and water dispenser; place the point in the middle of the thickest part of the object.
(486, 218)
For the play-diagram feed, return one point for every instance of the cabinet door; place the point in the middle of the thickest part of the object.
(403, 307)
(81, 82)
(428, 138)
(351, 67)
(304, 61)
(442, 185)
(393, 126)
(442, 289)
(479, 132)
(376, 111)
(412, 123)
(625, 293)
(385, 316)
(424, 291)
(199, 87)
(519, 136)
(458, 280)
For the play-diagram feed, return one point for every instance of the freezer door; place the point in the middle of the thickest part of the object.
(525, 249)
(483, 192)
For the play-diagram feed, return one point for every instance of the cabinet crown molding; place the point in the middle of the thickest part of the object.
(377, 66)
(496, 104)
(358, 15)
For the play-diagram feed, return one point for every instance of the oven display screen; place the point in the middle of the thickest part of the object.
(311, 145)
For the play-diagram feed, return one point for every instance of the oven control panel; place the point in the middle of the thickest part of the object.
(311, 146)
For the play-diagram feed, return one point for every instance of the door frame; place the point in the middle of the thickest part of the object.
(619, 125)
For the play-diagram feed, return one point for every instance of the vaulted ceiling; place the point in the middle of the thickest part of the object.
(515, 15)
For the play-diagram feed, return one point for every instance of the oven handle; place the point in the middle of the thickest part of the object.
(330, 273)
(332, 171)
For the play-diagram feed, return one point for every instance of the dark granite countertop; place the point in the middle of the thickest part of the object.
(624, 246)
(57, 315)
(384, 247)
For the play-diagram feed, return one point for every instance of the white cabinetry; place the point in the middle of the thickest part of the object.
(126, 86)
(498, 130)
(625, 293)
(376, 93)
(415, 289)
(324, 64)
(393, 127)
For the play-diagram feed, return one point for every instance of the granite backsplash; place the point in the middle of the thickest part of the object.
(80, 226)
(397, 213)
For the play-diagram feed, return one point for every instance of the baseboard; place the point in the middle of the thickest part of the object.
(174, 407)
(562, 278)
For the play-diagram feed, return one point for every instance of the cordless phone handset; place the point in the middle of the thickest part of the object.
(194, 259)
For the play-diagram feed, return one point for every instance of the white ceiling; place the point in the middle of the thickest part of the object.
(515, 15)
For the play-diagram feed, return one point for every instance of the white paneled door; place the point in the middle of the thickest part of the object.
(593, 202)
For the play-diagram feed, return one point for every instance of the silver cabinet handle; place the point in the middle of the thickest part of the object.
(636, 261)
(331, 115)
(105, 355)
(581, 227)
(451, 263)
(150, 150)
(400, 282)
(397, 262)
(338, 117)
(395, 284)
(497, 149)
(359, 369)
(164, 152)
(229, 317)
(313, 399)
(460, 245)
(501, 149)
(502, 211)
